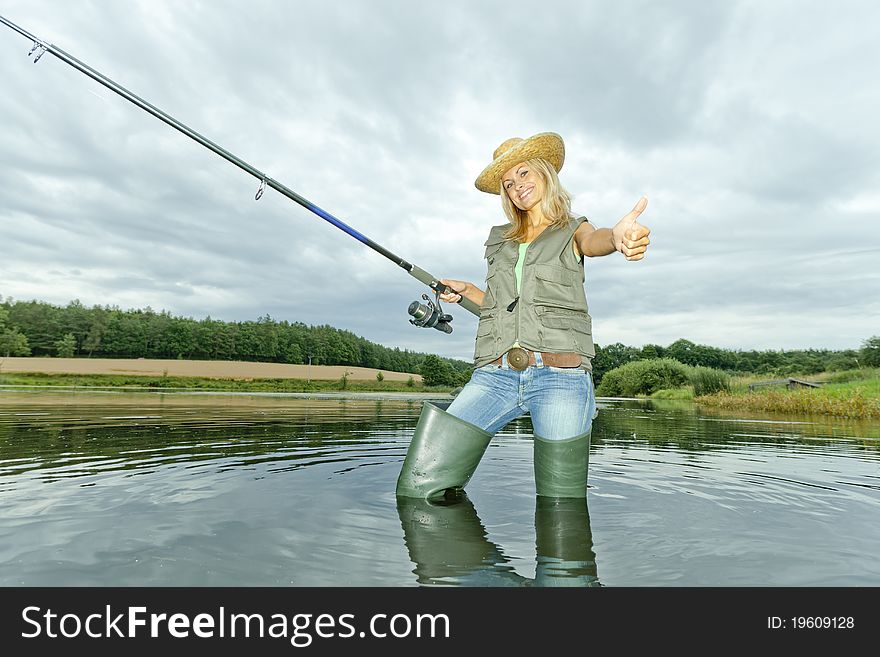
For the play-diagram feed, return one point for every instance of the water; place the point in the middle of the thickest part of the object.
(207, 490)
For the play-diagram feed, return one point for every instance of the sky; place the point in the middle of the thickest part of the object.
(750, 126)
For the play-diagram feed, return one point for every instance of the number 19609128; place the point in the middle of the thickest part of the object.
(811, 623)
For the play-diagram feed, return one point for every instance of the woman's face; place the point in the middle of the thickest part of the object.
(524, 186)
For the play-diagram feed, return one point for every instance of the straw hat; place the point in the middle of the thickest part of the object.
(546, 145)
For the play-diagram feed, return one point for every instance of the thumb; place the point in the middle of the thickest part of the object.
(639, 208)
(634, 216)
(453, 285)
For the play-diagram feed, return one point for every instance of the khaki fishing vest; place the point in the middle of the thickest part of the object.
(551, 313)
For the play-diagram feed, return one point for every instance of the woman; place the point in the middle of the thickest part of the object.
(534, 341)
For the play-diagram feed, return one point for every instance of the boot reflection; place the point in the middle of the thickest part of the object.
(564, 543)
(449, 545)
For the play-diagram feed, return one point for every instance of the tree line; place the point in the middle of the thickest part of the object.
(36, 328)
(42, 329)
(770, 363)
(700, 358)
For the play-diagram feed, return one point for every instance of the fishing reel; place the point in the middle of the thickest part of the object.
(430, 314)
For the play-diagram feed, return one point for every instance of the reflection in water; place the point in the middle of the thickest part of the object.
(191, 490)
(96, 438)
(450, 546)
(564, 543)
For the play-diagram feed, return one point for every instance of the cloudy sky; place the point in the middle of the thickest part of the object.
(751, 127)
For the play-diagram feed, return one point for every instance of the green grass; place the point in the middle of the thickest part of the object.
(674, 393)
(858, 398)
(199, 383)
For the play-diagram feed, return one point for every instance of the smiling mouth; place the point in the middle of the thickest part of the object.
(525, 194)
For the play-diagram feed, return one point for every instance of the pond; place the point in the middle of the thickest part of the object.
(154, 489)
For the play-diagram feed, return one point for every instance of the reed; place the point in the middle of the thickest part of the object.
(706, 381)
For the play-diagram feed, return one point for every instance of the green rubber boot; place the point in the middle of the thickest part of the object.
(444, 452)
(561, 466)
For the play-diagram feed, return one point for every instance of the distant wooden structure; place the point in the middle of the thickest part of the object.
(790, 382)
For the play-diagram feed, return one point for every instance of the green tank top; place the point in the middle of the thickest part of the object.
(519, 264)
(518, 271)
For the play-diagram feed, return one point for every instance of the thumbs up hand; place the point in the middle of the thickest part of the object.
(629, 236)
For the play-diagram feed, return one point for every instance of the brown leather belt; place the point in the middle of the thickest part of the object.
(519, 359)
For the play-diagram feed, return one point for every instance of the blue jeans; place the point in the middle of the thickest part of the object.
(561, 401)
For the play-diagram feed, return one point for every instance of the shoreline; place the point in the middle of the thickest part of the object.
(71, 396)
(858, 399)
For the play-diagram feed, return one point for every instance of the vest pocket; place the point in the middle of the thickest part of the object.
(490, 300)
(563, 331)
(555, 286)
(486, 326)
(493, 249)
(487, 336)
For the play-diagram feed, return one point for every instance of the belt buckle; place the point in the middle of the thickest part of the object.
(518, 358)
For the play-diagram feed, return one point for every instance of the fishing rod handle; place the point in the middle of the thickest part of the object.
(466, 303)
(434, 283)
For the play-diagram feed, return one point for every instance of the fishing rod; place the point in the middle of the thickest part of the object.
(428, 315)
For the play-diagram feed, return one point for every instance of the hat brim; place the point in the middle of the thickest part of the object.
(546, 145)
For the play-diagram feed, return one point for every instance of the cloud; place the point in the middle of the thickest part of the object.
(749, 126)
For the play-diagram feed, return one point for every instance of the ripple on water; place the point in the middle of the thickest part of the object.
(300, 492)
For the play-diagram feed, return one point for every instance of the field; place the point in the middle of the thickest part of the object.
(232, 370)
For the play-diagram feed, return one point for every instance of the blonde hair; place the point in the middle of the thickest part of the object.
(556, 203)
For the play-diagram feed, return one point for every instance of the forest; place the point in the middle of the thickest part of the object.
(36, 328)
